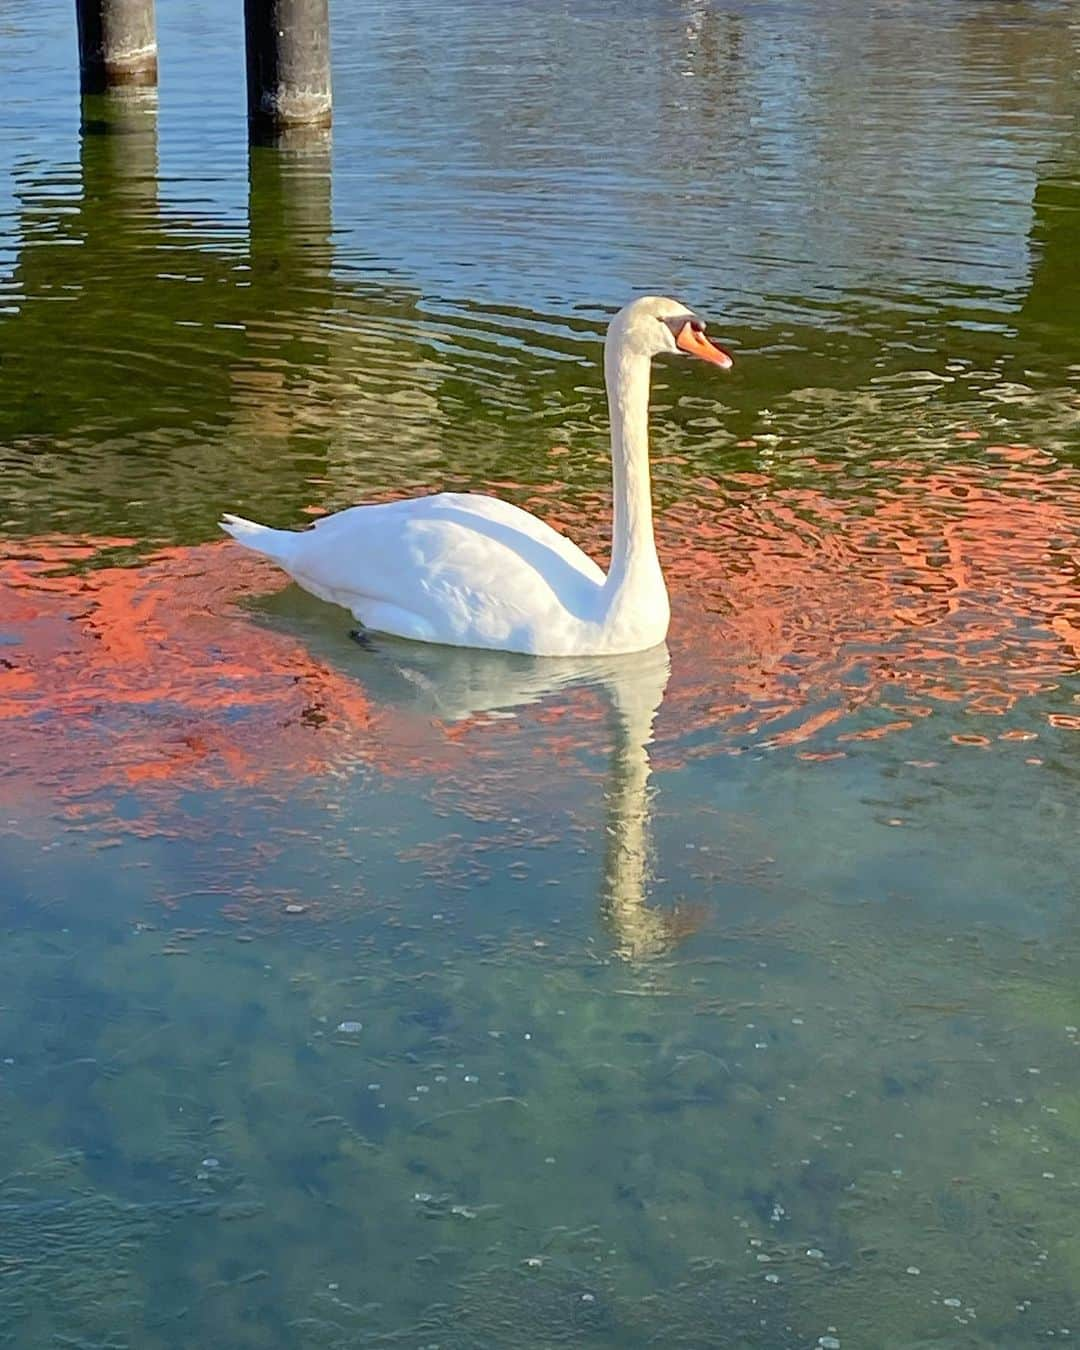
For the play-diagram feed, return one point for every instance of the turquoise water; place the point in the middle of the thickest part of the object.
(381, 995)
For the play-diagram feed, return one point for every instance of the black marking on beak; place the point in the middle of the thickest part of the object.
(679, 321)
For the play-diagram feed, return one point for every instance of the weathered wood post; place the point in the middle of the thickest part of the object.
(117, 43)
(288, 65)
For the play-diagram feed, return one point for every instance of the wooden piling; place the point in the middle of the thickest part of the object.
(117, 43)
(288, 65)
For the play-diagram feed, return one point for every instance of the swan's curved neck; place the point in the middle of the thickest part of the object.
(634, 564)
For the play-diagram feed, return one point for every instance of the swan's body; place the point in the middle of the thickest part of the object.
(473, 571)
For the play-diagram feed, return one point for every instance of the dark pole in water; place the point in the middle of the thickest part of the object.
(117, 43)
(288, 65)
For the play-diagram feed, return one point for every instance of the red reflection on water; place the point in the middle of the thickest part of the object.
(126, 675)
(792, 610)
(795, 608)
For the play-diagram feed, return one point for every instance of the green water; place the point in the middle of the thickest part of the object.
(387, 996)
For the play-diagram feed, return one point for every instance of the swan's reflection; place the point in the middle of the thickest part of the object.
(454, 683)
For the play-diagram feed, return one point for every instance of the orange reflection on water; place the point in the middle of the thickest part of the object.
(792, 609)
(960, 585)
(125, 675)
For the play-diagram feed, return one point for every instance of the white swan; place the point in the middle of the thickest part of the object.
(472, 571)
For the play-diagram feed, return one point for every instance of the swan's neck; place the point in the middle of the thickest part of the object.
(634, 564)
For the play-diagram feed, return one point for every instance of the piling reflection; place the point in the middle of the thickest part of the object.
(278, 380)
(119, 162)
(115, 293)
(237, 351)
(1050, 313)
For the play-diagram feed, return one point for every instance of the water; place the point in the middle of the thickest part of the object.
(370, 996)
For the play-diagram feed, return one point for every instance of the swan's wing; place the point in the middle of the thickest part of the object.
(456, 567)
(474, 506)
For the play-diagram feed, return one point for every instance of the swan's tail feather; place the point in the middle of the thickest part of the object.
(276, 544)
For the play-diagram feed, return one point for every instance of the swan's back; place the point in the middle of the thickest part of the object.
(458, 568)
(488, 516)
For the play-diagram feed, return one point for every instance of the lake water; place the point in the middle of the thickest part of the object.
(382, 995)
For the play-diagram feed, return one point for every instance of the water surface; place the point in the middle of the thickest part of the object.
(381, 995)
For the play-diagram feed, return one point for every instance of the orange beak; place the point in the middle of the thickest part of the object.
(697, 344)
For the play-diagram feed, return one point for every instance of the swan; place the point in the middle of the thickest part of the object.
(468, 570)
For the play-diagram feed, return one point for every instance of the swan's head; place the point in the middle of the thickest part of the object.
(654, 325)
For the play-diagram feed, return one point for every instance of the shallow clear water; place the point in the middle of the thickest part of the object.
(381, 995)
